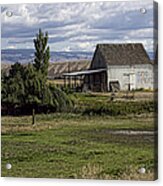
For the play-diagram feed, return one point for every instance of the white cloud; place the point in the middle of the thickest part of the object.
(84, 45)
(78, 26)
(11, 47)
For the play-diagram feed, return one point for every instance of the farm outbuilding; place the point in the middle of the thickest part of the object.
(127, 67)
(113, 67)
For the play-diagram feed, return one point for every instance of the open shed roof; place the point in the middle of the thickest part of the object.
(84, 72)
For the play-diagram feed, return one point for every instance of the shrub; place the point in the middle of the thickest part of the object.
(121, 108)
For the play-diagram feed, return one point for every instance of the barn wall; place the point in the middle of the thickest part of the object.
(141, 76)
(98, 61)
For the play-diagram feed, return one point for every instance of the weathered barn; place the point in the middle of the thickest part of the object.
(123, 67)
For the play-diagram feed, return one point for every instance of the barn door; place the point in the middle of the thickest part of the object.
(132, 81)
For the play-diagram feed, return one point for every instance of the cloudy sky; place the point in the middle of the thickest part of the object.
(79, 26)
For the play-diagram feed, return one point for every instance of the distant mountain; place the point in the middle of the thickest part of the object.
(27, 55)
(151, 55)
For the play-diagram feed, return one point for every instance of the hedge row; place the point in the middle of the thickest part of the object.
(120, 108)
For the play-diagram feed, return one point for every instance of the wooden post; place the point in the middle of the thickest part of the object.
(104, 84)
(80, 83)
(69, 77)
(88, 76)
(64, 81)
(75, 83)
(70, 81)
(93, 83)
(90, 83)
(33, 116)
(101, 89)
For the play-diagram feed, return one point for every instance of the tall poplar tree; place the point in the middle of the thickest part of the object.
(42, 53)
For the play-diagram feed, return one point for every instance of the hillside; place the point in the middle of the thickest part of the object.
(27, 55)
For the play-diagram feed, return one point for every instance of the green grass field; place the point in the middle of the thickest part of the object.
(79, 146)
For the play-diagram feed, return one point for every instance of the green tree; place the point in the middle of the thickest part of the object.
(13, 91)
(42, 53)
(41, 63)
(26, 86)
(32, 83)
(59, 99)
(16, 69)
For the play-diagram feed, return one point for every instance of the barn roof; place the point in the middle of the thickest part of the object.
(122, 54)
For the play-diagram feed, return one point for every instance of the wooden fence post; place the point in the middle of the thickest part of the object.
(33, 116)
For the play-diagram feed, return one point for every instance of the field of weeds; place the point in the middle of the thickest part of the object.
(79, 146)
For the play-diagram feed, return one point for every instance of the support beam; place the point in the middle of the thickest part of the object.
(75, 81)
(89, 78)
(64, 81)
(101, 83)
(69, 81)
(81, 82)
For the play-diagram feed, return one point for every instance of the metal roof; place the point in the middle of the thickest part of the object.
(121, 54)
(84, 72)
